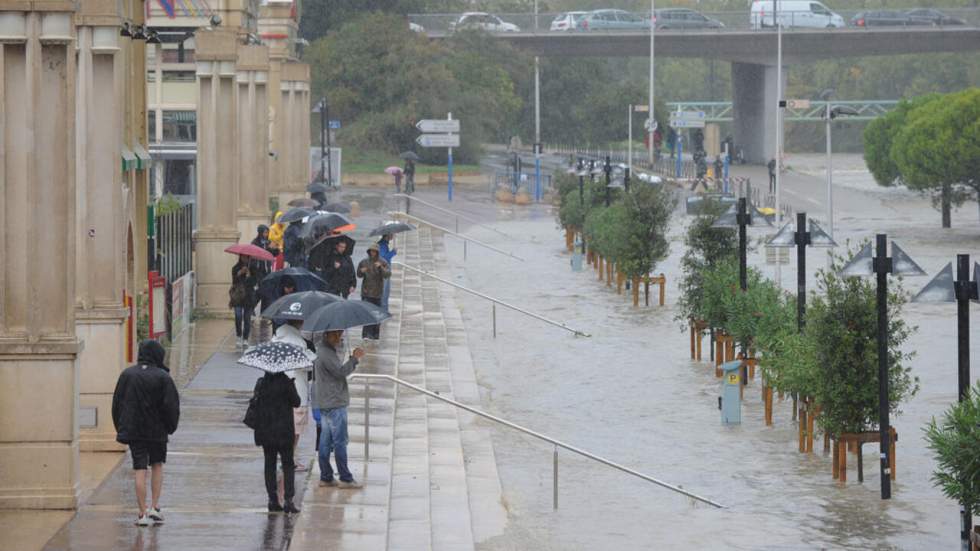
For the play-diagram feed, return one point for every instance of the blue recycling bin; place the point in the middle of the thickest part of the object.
(731, 395)
(577, 256)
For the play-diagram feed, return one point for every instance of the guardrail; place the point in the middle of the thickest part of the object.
(494, 301)
(396, 214)
(368, 377)
(452, 212)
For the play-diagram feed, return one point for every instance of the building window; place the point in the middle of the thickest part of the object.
(178, 177)
(151, 125)
(179, 126)
(179, 76)
(172, 55)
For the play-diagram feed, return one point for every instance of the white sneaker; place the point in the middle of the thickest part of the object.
(155, 515)
(143, 520)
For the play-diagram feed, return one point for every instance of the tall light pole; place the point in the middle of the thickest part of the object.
(537, 115)
(831, 113)
(779, 120)
(653, 119)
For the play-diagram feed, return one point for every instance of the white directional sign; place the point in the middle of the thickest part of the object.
(650, 125)
(689, 115)
(438, 125)
(686, 123)
(438, 140)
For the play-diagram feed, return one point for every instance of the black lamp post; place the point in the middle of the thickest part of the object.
(814, 236)
(943, 288)
(607, 168)
(881, 265)
(581, 182)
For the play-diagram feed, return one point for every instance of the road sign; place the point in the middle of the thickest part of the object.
(675, 123)
(650, 125)
(689, 115)
(334, 124)
(438, 140)
(438, 125)
(641, 108)
(799, 104)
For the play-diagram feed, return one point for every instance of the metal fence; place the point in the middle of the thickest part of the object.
(174, 242)
(665, 165)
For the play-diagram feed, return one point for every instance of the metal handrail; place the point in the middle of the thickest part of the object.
(465, 238)
(454, 213)
(556, 443)
(494, 301)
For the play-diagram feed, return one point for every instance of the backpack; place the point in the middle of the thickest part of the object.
(251, 419)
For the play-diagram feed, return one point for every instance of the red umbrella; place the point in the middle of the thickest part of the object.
(248, 249)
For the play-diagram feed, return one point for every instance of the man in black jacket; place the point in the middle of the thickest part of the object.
(145, 410)
(339, 271)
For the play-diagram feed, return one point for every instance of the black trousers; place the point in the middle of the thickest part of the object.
(772, 183)
(288, 472)
(371, 331)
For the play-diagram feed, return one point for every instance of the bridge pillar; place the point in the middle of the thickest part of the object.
(754, 110)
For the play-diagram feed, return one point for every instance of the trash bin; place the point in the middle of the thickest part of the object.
(731, 396)
(577, 256)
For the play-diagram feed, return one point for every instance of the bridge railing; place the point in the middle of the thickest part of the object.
(441, 24)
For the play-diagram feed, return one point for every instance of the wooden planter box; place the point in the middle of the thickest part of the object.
(857, 440)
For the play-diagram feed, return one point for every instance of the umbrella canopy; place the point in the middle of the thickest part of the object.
(316, 187)
(303, 202)
(392, 226)
(295, 214)
(410, 155)
(299, 306)
(393, 170)
(344, 315)
(324, 223)
(253, 251)
(340, 206)
(276, 357)
(270, 288)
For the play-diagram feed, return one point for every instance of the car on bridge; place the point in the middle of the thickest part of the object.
(567, 21)
(935, 16)
(612, 20)
(683, 18)
(887, 18)
(482, 21)
(794, 13)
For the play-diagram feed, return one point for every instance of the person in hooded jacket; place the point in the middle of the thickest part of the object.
(339, 271)
(388, 251)
(276, 242)
(274, 432)
(375, 272)
(242, 297)
(294, 252)
(145, 411)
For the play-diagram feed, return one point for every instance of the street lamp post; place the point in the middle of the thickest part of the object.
(802, 236)
(650, 127)
(943, 288)
(607, 168)
(537, 115)
(881, 265)
(581, 182)
(831, 112)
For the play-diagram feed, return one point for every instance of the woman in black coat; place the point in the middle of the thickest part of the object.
(277, 397)
(242, 297)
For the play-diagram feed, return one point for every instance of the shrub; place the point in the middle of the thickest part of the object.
(955, 442)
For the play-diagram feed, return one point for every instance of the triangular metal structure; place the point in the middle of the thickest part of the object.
(902, 263)
(758, 215)
(728, 219)
(940, 289)
(785, 237)
(820, 238)
(860, 264)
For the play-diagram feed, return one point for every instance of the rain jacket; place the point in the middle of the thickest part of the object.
(289, 334)
(145, 404)
(276, 233)
(338, 271)
(374, 277)
(385, 250)
(248, 282)
(330, 376)
(277, 398)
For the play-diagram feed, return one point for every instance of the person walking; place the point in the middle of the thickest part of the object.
(339, 271)
(331, 397)
(294, 252)
(242, 297)
(409, 176)
(145, 411)
(772, 176)
(276, 241)
(275, 397)
(289, 332)
(388, 252)
(375, 272)
(398, 182)
(719, 171)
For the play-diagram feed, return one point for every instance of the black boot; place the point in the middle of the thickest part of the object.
(274, 507)
(290, 508)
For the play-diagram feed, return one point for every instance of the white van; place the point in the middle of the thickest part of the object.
(794, 13)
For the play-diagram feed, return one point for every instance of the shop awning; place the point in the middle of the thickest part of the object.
(129, 160)
(142, 158)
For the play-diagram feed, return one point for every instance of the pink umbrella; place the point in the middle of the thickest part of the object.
(393, 170)
(253, 251)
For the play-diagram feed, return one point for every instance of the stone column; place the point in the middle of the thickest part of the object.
(100, 259)
(217, 167)
(38, 347)
(754, 110)
(253, 121)
(294, 130)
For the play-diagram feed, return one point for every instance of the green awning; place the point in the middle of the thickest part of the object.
(129, 160)
(142, 158)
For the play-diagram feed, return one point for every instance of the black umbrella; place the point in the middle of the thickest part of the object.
(270, 288)
(317, 187)
(392, 226)
(323, 223)
(410, 155)
(344, 315)
(341, 207)
(325, 246)
(295, 214)
(276, 357)
(299, 306)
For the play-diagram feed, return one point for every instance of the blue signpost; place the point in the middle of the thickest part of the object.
(445, 133)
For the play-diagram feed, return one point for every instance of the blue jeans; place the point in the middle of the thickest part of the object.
(384, 295)
(334, 438)
(243, 321)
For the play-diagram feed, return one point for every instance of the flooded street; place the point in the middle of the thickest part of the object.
(631, 393)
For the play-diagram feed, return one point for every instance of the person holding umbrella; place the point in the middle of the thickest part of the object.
(289, 333)
(242, 297)
(397, 173)
(331, 396)
(338, 269)
(375, 272)
(387, 251)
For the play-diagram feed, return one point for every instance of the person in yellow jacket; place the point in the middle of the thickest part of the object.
(275, 239)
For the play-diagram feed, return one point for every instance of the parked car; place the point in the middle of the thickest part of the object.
(683, 18)
(478, 20)
(935, 16)
(566, 21)
(794, 13)
(887, 18)
(612, 20)
(415, 27)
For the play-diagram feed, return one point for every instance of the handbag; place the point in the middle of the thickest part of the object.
(251, 419)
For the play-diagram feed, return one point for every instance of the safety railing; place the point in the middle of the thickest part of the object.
(458, 216)
(368, 377)
(494, 301)
(465, 238)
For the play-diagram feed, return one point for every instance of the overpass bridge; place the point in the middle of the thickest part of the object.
(751, 52)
